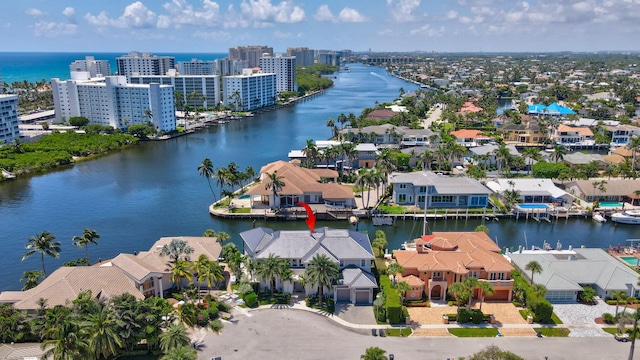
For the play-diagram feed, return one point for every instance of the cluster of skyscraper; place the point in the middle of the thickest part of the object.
(146, 87)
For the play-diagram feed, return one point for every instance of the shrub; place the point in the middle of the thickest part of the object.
(543, 312)
(608, 318)
(203, 318)
(213, 312)
(477, 317)
(216, 325)
(250, 299)
(393, 304)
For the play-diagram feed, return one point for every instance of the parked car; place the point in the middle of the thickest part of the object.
(621, 337)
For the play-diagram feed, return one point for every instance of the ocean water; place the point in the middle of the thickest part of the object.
(35, 66)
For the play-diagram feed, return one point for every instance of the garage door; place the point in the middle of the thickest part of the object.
(499, 295)
(343, 295)
(362, 297)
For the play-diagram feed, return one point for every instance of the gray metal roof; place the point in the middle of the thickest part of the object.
(587, 266)
(357, 278)
(490, 149)
(443, 184)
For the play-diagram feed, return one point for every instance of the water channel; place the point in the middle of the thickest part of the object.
(135, 196)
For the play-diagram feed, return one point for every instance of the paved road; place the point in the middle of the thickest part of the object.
(295, 334)
(433, 116)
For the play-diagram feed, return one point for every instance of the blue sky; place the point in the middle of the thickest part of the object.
(379, 25)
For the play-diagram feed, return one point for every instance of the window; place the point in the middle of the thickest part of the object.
(422, 189)
(497, 276)
(473, 273)
(363, 263)
(442, 199)
(402, 198)
(402, 186)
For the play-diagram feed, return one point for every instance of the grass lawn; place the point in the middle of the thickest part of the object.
(399, 332)
(240, 210)
(556, 332)
(614, 330)
(388, 209)
(554, 318)
(474, 332)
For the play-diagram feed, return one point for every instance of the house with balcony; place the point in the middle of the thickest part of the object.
(572, 136)
(613, 190)
(300, 185)
(621, 134)
(350, 250)
(425, 188)
(471, 138)
(532, 190)
(526, 133)
(444, 258)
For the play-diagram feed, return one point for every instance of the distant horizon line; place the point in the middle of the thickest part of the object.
(353, 52)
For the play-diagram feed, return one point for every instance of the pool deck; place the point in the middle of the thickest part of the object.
(625, 251)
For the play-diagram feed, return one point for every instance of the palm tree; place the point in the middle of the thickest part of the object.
(88, 236)
(394, 269)
(173, 337)
(402, 287)
(176, 250)
(206, 169)
(44, 244)
(222, 236)
(485, 289)
(184, 352)
(634, 146)
(275, 184)
(534, 267)
(32, 279)
(322, 272)
(181, 269)
(559, 152)
(270, 268)
(221, 175)
(101, 331)
(379, 242)
(618, 295)
(63, 342)
(532, 154)
(199, 267)
(212, 273)
(310, 151)
(374, 353)
(426, 158)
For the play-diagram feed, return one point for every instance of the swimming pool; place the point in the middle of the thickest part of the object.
(610, 204)
(630, 260)
(533, 206)
(244, 197)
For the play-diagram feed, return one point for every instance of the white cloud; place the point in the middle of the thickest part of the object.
(182, 13)
(385, 31)
(53, 29)
(264, 11)
(426, 30)
(68, 11)
(35, 12)
(135, 15)
(402, 10)
(451, 15)
(213, 35)
(351, 15)
(324, 14)
(282, 35)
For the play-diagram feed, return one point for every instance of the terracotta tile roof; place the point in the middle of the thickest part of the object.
(134, 266)
(411, 280)
(461, 252)
(381, 114)
(469, 134)
(584, 131)
(66, 283)
(299, 181)
(201, 245)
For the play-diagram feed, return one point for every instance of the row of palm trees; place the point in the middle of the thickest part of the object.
(229, 176)
(45, 244)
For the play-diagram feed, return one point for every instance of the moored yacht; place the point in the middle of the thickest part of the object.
(627, 217)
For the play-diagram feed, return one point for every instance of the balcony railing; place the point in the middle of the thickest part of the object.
(499, 283)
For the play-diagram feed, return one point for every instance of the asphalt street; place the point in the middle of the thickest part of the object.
(295, 334)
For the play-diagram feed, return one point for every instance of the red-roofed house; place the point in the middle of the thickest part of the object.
(381, 114)
(444, 258)
(469, 107)
(569, 135)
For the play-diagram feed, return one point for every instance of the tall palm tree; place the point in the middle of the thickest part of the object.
(32, 279)
(322, 272)
(534, 267)
(275, 183)
(270, 268)
(101, 331)
(181, 270)
(634, 146)
(177, 250)
(310, 151)
(211, 274)
(184, 352)
(531, 153)
(206, 169)
(426, 158)
(88, 236)
(559, 152)
(402, 287)
(486, 289)
(44, 244)
(173, 337)
(64, 342)
(221, 175)
(395, 269)
(200, 266)
(618, 295)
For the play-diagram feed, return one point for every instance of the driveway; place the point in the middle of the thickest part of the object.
(580, 314)
(355, 314)
(295, 334)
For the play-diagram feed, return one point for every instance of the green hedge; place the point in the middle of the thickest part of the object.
(250, 299)
(473, 315)
(393, 303)
(541, 308)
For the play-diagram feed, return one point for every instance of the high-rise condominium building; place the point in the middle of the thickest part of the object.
(328, 57)
(195, 90)
(249, 91)
(304, 56)
(94, 67)
(285, 70)
(227, 66)
(250, 53)
(113, 102)
(8, 119)
(136, 63)
(197, 67)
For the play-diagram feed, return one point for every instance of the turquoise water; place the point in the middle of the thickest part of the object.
(631, 260)
(245, 197)
(610, 204)
(533, 206)
(33, 66)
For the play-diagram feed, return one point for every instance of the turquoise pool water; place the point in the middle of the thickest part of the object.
(533, 206)
(245, 197)
(611, 204)
(631, 260)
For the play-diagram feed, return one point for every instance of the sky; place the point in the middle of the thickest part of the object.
(359, 25)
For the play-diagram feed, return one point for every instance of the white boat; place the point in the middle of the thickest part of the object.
(599, 218)
(627, 217)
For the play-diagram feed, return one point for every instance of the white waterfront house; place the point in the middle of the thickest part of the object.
(144, 64)
(205, 87)
(8, 119)
(285, 69)
(249, 91)
(95, 68)
(111, 101)
(532, 190)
